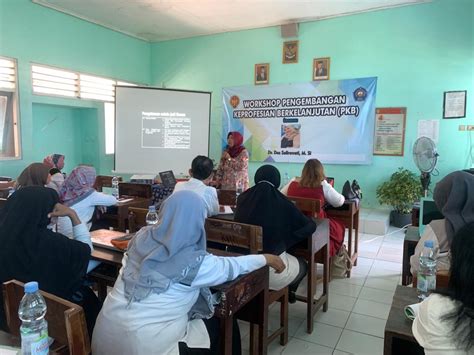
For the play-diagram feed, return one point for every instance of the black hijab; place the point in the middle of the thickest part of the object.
(263, 205)
(454, 197)
(29, 251)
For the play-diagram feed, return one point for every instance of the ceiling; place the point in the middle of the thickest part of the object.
(159, 20)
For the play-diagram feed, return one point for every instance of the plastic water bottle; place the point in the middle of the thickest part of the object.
(427, 274)
(115, 183)
(34, 328)
(239, 188)
(286, 179)
(151, 217)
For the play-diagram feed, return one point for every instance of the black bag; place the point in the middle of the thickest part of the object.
(352, 191)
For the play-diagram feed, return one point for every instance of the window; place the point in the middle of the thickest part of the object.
(60, 82)
(109, 114)
(9, 144)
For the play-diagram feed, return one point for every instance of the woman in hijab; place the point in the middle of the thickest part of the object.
(445, 320)
(232, 172)
(36, 174)
(78, 193)
(283, 225)
(454, 198)
(55, 162)
(162, 293)
(31, 252)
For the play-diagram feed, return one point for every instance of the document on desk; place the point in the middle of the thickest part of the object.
(103, 237)
(125, 199)
(225, 209)
(412, 310)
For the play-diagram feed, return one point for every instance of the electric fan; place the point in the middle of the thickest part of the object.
(425, 157)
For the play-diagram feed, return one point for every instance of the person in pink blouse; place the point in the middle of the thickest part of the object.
(233, 167)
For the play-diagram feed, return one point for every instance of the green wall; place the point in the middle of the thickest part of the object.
(34, 34)
(417, 53)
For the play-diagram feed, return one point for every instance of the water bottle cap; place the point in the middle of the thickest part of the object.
(429, 244)
(31, 287)
(152, 208)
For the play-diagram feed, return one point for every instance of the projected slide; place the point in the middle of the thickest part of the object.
(166, 130)
(159, 129)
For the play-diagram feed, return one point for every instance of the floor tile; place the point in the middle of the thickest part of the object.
(296, 347)
(383, 272)
(357, 343)
(361, 270)
(297, 310)
(343, 288)
(366, 324)
(371, 308)
(293, 323)
(373, 294)
(334, 317)
(322, 334)
(387, 283)
(364, 261)
(355, 279)
(344, 303)
(339, 352)
(387, 265)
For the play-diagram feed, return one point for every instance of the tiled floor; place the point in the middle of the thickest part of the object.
(358, 307)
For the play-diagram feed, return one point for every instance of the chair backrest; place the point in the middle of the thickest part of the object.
(104, 181)
(309, 206)
(134, 189)
(227, 197)
(136, 218)
(4, 192)
(6, 178)
(235, 234)
(66, 320)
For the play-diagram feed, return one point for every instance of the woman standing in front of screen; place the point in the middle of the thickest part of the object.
(233, 167)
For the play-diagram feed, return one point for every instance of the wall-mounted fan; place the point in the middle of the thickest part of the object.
(425, 156)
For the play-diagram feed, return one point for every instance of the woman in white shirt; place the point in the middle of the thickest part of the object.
(162, 294)
(313, 184)
(78, 193)
(445, 321)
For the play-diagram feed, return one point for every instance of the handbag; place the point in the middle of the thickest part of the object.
(341, 263)
(352, 191)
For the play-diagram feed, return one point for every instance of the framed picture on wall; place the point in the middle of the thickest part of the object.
(262, 73)
(454, 104)
(290, 52)
(321, 68)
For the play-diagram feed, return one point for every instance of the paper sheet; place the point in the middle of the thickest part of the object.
(429, 128)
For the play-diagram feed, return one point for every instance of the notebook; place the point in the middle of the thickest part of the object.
(167, 178)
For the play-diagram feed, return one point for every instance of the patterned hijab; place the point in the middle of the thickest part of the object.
(454, 197)
(78, 185)
(169, 252)
(35, 174)
(237, 148)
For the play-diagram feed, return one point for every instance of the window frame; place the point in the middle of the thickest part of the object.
(17, 146)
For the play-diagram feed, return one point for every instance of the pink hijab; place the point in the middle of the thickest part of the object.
(78, 185)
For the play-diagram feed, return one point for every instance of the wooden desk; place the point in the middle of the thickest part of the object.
(399, 338)
(348, 214)
(412, 237)
(122, 209)
(245, 297)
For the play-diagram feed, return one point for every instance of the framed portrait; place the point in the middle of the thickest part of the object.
(290, 52)
(321, 68)
(262, 73)
(454, 104)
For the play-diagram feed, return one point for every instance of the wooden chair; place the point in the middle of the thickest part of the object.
(250, 237)
(227, 197)
(136, 218)
(66, 320)
(5, 179)
(442, 279)
(135, 189)
(4, 192)
(104, 181)
(314, 254)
